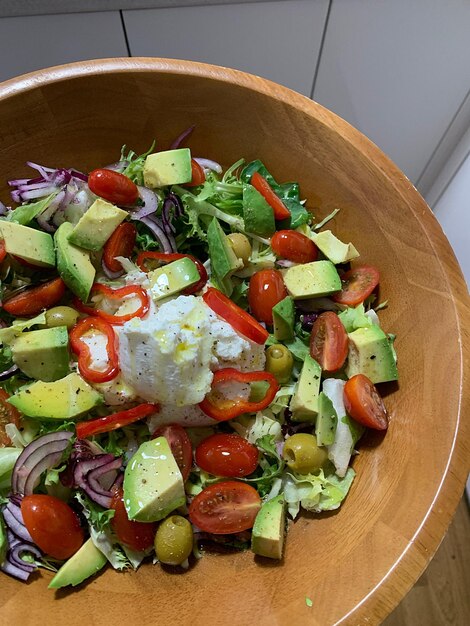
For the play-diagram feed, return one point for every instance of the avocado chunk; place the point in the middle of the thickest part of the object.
(333, 248)
(325, 425)
(283, 319)
(172, 278)
(371, 353)
(97, 225)
(73, 263)
(86, 562)
(224, 261)
(153, 484)
(67, 398)
(28, 244)
(267, 538)
(43, 354)
(312, 280)
(258, 215)
(170, 167)
(304, 402)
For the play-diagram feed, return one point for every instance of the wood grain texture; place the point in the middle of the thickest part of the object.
(357, 564)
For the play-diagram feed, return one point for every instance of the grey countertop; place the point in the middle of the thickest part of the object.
(13, 8)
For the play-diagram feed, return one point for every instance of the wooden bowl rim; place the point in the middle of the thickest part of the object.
(433, 527)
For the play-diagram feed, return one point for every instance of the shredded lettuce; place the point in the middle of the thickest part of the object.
(21, 438)
(8, 458)
(135, 167)
(326, 219)
(340, 450)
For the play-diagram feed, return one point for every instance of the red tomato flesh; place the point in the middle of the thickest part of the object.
(3, 251)
(329, 342)
(35, 299)
(358, 284)
(225, 508)
(266, 290)
(121, 243)
(281, 212)
(8, 415)
(227, 455)
(180, 446)
(291, 245)
(198, 176)
(364, 404)
(136, 535)
(113, 187)
(53, 525)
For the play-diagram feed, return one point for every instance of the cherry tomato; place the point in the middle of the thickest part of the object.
(291, 245)
(52, 524)
(226, 507)
(113, 187)
(281, 212)
(239, 319)
(227, 455)
(358, 284)
(180, 446)
(198, 176)
(33, 300)
(266, 290)
(121, 243)
(136, 535)
(8, 415)
(364, 404)
(329, 342)
(3, 251)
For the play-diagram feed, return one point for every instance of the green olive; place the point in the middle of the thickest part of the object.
(174, 540)
(279, 362)
(61, 316)
(241, 246)
(303, 454)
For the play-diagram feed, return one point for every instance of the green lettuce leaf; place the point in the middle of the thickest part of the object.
(18, 326)
(354, 318)
(8, 458)
(267, 478)
(136, 163)
(26, 213)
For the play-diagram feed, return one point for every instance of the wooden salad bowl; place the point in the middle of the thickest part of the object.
(357, 563)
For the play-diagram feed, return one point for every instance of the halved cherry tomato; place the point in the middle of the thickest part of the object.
(53, 525)
(266, 290)
(225, 508)
(121, 243)
(3, 250)
(239, 319)
(358, 284)
(8, 415)
(136, 535)
(168, 257)
(364, 404)
(116, 294)
(115, 420)
(113, 186)
(227, 455)
(281, 212)
(329, 342)
(291, 245)
(80, 348)
(180, 446)
(35, 299)
(198, 176)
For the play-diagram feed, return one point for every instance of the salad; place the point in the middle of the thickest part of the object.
(188, 360)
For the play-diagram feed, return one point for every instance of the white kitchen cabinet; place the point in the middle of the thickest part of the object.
(276, 40)
(398, 71)
(34, 42)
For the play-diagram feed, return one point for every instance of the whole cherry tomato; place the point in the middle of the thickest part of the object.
(137, 535)
(113, 187)
(266, 290)
(227, 455)
(291, 245)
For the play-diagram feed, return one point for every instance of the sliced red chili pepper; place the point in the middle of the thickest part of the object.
(116, 294)
(115, 421)
(220, 408)
(168, 257)
(80, 348)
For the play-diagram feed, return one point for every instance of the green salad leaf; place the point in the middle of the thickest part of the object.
(26, 213)
(135, 167)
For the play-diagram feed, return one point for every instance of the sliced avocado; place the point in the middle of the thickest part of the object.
(257, 213)
(283, 319)
(325, 425)
(312, 280)
(97, 225)
(304, 402)
(267, 538)
(153, 484)
(333, 248)
(62, 399)
(371, 353)
(74, 265)
(172, 278)
(86, 562)
(43, 354)
(27, 243)
(170, 167)
(224, 261)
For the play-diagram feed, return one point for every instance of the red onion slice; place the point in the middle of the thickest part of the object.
(111, 275)
(167, 242)
(16, 526)
(150, 201)
(15, 555)
(83, 468)
(48, 462)
(21, 573)
(179, 140)
(208, 164)
(11, 371)
(100, 473)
